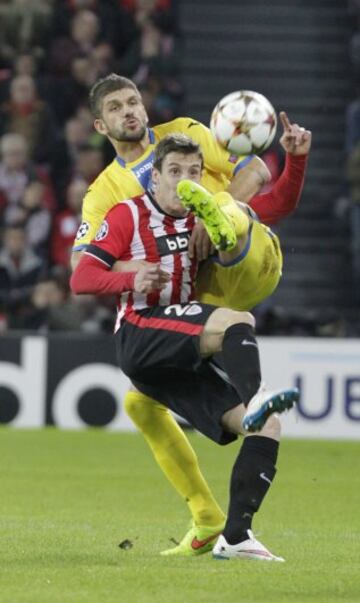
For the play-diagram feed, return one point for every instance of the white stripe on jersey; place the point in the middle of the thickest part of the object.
(156, 224)
(186, 264)
(137, 251)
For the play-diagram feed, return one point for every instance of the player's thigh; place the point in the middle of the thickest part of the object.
(160, 339)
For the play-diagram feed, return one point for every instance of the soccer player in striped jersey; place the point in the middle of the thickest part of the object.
(120, 115)
(166, 340)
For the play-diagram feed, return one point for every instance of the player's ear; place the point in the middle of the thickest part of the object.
(155, 177)
(100, 127)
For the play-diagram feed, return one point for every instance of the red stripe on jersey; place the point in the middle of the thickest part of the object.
(152, 299)
(162, 323)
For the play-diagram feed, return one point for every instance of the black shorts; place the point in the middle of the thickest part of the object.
(158, 349)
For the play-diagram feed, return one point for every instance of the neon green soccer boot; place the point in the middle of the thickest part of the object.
(204, 205)
(197, 541)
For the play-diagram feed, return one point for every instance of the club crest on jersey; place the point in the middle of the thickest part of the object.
(174, 243)
(102, 232)
(82, 230)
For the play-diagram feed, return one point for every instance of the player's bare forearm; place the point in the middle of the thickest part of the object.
(249, 180)
(75, 259)
(129, 266)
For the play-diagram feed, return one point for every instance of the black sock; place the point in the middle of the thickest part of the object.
(252, 474)
(241, 360)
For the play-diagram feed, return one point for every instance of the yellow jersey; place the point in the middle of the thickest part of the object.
(120, 181)
(247, 280)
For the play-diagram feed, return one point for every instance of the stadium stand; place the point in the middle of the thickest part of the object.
(297, 56)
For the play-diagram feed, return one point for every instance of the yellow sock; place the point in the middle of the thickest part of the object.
(174, 455)
(238, 217)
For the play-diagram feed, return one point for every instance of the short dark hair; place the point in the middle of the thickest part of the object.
(175, 143)
(104, 86)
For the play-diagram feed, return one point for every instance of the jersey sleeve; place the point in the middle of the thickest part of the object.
(216, 158)
(114, 235)
(285, 195)
(98, 200)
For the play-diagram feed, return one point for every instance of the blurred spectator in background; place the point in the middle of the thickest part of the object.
(26, 114)
(84, 31)
(65, 95)
(89, 163)
(46, 310)
(161, 104)
(16, 173)
(152, 60)
(20, 269)
(67, 223)
(116, 25)
(36, 218)
(103, 59)
(53, 308)
(24, 63)
(23, 25)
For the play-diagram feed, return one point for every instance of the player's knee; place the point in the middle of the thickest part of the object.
(232, 317)
(139, 408)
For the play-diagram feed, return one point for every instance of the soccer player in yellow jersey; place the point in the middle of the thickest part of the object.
(120, 116)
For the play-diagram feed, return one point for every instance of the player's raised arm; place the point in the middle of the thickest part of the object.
(285, 194)
(248, 181)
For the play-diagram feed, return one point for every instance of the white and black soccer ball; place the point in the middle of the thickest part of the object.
(244, 122)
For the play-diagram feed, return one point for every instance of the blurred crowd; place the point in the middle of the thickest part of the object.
(51, 53)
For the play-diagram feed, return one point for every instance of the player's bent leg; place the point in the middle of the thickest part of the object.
(232, 332)
(229, 206)
(203, 204)
(177, 459)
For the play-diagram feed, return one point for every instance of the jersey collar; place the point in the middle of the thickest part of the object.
(123, 163)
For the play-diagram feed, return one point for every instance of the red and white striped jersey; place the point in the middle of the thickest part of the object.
(138, 229)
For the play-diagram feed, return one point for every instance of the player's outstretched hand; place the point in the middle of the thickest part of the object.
(199, 243)
(294, 140)
(150, 278)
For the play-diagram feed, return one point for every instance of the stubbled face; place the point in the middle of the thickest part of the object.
(123, 116)
(175, 167)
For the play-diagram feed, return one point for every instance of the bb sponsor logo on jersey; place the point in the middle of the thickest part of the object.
(175, 243)
(102, 232)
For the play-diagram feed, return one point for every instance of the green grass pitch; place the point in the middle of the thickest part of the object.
(69, 498)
